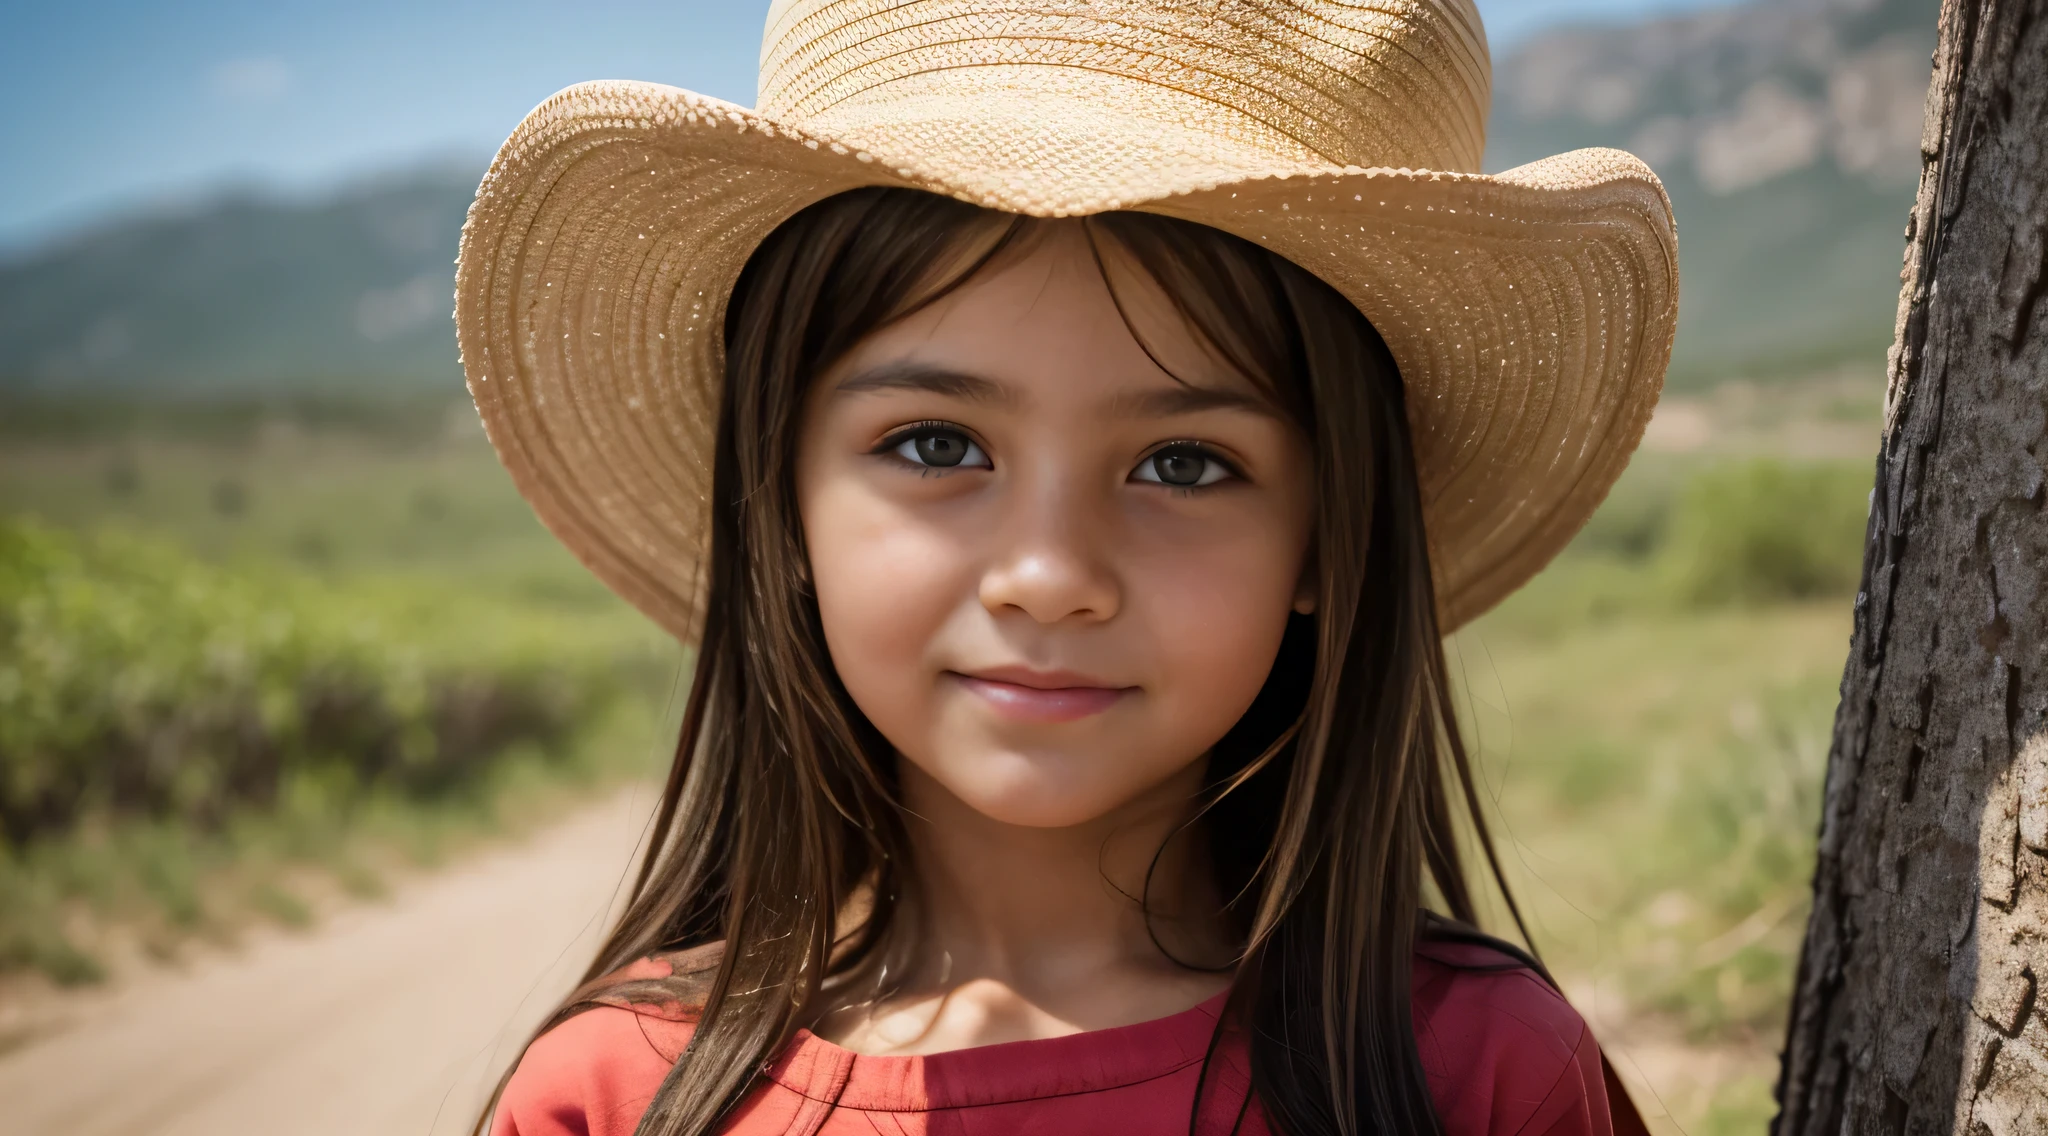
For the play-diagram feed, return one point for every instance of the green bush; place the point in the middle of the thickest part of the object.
(1679, 537)
(1764, 531)
(1631, 524)
(137, 681)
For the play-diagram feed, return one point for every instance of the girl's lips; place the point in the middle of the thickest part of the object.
(1032, 703)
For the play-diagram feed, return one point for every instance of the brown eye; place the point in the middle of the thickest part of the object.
(940, 449)
(1182, 466)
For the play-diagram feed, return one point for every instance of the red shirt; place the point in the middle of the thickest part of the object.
(1505, 1054)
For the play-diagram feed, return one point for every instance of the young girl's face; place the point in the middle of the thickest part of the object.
(1051, 573)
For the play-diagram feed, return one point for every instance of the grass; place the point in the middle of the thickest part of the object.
(333, 502)
(1651, 717)
(135, 885)
(407, 538)
(1663, 815)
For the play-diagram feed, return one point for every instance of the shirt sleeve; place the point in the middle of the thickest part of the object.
(1506, 1055)
(592, 1075)
(1576, 1104)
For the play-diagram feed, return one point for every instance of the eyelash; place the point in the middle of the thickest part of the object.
(1208, 453)
(898, 437)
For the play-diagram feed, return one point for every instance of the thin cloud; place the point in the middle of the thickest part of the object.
(253, 80)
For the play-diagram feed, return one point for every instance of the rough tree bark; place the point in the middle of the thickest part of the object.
(1918, 1007)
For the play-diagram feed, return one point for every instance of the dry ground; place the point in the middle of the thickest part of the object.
(389, 1018)
(395, 1017)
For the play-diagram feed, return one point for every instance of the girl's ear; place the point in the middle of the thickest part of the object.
(1305, 603)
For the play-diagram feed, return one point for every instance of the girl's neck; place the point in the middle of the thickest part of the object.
(1037, 907)
(1024, 932)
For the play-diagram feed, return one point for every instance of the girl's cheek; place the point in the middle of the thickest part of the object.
(1216, 618)
(885, 585)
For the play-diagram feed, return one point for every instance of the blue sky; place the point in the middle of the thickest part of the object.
(117, 106)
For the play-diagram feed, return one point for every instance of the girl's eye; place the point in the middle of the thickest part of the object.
(1182, 466)
(940, 449)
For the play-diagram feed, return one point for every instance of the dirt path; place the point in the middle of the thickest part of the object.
(396, 1018)
(388, 1018)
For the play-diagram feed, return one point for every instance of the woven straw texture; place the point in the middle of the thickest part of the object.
(1530, 312)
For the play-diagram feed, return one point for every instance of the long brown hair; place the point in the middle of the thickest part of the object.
(1342, 793)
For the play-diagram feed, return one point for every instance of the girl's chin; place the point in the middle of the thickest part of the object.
(1050, 808)
(1063, 788)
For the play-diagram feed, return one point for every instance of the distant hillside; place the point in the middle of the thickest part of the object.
(244, 293)
(1787, 131)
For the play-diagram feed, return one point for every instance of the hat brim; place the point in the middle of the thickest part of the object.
(1530, 313)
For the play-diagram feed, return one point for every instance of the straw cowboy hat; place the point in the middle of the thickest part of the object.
(1530, 312)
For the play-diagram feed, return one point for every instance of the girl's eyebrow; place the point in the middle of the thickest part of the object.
(1184, 399)
(1165, 402)
(926, 378)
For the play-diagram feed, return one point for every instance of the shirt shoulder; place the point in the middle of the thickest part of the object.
(595, 1073)
(592, 1075)
(1505, 1054)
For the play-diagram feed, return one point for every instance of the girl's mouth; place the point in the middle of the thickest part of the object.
(1041, 696)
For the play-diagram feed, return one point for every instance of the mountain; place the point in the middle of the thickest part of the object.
(1787, 131)
(1788, 134)
(245, 292)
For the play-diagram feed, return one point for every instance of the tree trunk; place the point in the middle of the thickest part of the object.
(1918, 1006)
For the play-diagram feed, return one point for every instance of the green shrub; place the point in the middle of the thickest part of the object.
(136, 681)
(1764, 531)
(1631, 523)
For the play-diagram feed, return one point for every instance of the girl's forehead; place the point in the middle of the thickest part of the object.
(1044, 319)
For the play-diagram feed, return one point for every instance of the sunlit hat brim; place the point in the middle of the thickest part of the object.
(1530, 312)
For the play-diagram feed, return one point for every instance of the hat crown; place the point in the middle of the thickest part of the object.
(1260, 84)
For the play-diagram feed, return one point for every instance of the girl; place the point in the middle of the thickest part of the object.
(1066, 432)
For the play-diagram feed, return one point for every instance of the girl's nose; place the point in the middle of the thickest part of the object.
(1051, 571)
